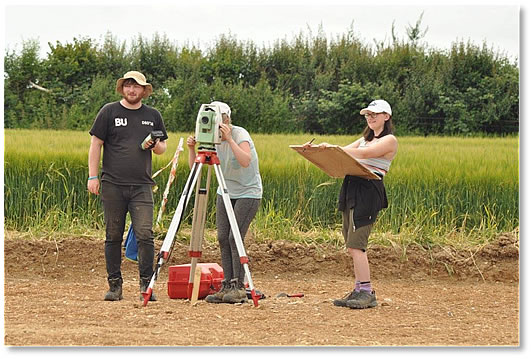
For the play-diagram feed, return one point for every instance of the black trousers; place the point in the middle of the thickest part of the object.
(117, 200)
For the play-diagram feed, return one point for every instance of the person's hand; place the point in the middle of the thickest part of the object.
(93, 185)
(150, 145)
(191, 142)
(226, 132)
(320, 146)
(307, 144)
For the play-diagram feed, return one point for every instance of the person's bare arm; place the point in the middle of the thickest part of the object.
(386, 147)
(241, 151)
(95, 151)
(191, 143)
(160, 147)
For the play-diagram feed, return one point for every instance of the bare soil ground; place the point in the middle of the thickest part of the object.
(54, 291)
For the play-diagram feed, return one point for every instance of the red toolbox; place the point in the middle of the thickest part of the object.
(212, 275)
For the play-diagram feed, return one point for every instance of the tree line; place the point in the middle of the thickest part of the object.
(310, 83)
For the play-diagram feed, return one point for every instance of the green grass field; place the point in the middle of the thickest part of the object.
(440, 189)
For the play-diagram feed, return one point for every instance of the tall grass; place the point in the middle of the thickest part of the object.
(438, 187)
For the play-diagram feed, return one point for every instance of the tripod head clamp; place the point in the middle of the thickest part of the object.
(207, 157)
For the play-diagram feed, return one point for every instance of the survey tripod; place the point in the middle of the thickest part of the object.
(209, 157)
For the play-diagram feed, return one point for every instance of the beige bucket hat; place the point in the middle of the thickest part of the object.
(139, 78)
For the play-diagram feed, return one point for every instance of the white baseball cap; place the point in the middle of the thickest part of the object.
(224, 108)
(377, 106)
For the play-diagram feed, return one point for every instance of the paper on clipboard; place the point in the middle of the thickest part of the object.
(334, 161)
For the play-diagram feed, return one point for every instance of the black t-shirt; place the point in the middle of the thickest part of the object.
(122, 131)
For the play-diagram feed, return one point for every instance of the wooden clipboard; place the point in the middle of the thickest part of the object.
(334, 161)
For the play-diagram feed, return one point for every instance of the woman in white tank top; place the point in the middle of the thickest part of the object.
(376, 150)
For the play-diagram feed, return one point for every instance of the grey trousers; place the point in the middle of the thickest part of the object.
(245, 210)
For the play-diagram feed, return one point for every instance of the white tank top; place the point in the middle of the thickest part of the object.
(380, 162)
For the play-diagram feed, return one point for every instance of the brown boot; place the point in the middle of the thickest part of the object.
(236, 293)
(219, 295)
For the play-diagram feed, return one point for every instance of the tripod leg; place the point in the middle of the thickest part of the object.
(174, 227)
(236, 232)
(198, 226)
(183, 203)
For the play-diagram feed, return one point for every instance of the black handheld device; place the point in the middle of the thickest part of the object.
(155, 136)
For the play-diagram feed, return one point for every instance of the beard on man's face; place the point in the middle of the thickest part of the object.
(133, 99)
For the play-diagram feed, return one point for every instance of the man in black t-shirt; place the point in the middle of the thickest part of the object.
(121, 128)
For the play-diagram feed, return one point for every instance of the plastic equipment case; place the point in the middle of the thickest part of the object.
(211, 280)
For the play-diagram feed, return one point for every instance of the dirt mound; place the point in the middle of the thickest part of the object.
(495, 261)
(498, 260)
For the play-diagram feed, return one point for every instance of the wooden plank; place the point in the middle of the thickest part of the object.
(334, 161)
(196, 285)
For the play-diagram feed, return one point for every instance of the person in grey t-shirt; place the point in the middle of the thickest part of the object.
(240, 167)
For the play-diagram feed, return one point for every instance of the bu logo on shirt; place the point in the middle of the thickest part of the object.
(120, 121)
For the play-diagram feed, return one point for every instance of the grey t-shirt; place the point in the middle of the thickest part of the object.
(242, 182)
(122, 130)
